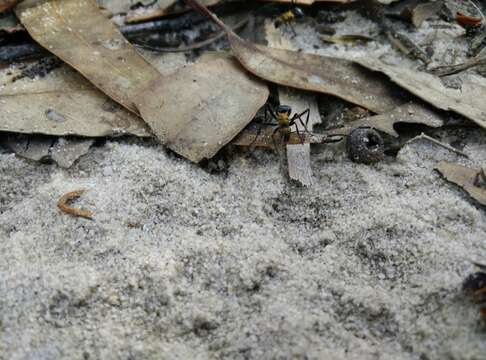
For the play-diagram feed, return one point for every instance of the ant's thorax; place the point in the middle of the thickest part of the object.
(283, 119)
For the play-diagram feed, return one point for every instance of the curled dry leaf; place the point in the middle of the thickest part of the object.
(63, 205)
(78, 33)
(205, 106)
(463, 20)
(473, 181)
(467, 101)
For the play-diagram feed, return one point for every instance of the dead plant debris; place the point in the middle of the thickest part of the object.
(63, 205)
(198, 105)
(471, 180)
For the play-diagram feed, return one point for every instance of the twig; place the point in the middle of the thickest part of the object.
(437, 142)
(182, 22)
(66, 198)
(17, 52)
(196, 5)
(454, 69)
(196, 45)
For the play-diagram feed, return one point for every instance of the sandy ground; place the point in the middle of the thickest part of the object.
(182, 264)
(367, 264)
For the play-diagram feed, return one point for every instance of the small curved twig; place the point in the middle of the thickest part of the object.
(66, 198)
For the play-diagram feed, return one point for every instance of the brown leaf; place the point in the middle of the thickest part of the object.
(62, 103)
(77, 32)
(463, 19)
(412, 112)
(338, 77)
(471, 180)
(205, 106)
(195, 112)
(63, 205)
(467, 101)
(263, 138)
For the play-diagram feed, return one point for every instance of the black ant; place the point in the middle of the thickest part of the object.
(284, 122)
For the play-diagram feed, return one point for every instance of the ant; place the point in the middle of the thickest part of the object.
(282, 115)
(289, 16)
(475, 285)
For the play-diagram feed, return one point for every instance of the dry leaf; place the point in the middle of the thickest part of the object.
(78, 33)
(257, 137)
(467, 20)
(62, 103)
(66, 151)
(467, 101)
(338, 77)
(63, 151)
(471, 180)
(298, 155)
(194, 112)
(29, 147)
(63, 205)
(205, 106)
(412, 112)
(422, 12)
(327, 75)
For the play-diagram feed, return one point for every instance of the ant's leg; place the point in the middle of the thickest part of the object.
(299, 117)
(273, 116)
(273, 138)
(302, 138)
(256, 137)
(294, 34)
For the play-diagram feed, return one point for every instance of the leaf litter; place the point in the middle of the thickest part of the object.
(98, 51)
(473, 181)
(191, 123)
(194, 136)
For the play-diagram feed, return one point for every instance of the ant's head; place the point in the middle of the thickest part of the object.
(298, 12)
(283, 110)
